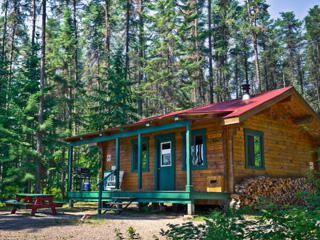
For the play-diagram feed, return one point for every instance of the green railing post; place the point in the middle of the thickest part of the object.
(101, 186)
(139, 160)
(117, 161)
(100, 198)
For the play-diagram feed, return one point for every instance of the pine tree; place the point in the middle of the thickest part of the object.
(290, 29)
(312, 23)
(256, 11)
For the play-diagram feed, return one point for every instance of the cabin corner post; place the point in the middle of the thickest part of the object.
(189, 186)
(70, 153)
(139, 160)
(117, 161)
(230, 161)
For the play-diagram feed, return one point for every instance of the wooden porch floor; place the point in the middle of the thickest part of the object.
(148, 196)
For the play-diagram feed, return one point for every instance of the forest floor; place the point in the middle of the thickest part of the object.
(68, 224)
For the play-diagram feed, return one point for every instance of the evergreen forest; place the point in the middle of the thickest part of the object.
(69, 67)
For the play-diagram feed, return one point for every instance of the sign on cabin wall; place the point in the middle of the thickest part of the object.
(311, 165)
(217, 147)
(109, 158)
(216, 135)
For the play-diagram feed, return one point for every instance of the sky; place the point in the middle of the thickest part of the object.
(299, 7)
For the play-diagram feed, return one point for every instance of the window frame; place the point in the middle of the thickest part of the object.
(133, 142)
(250, 132)
(202, 132)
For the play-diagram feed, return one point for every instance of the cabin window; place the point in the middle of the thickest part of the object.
(145, 155)
(166, 154)
(254, 148)
(198, 149)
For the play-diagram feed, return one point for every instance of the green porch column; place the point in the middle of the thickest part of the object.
(70, 153)
(70, 168)
(189, 186)
(139, 160)
(117, 161)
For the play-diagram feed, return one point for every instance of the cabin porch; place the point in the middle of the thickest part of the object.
(148, 196)
(182, 197)
(164, 190)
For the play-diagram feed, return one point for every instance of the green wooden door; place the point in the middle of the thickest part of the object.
(165, 159)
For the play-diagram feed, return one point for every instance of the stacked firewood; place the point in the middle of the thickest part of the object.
(278, 190)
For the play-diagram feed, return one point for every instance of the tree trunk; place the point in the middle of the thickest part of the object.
(256, 57)
(127, 36)
(140, 53)
(70, 102)
(246, 60)
(107, 30)
(75, 52)
(317, 79)
(291, 50)
(4, 31)
(63, 163)
(14, 25)
(34, 9)
(253, 23)
(217, 78)
(301, 75)
(198, 57)
(265, 67)
(41, 103)
(76, 40)
(210, 53)
(237, 76)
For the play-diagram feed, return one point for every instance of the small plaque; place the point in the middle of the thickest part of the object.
(311, 165)
(109, 158)
(216, 135)
(215, 147)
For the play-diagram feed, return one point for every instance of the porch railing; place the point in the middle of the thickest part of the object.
(101, 185)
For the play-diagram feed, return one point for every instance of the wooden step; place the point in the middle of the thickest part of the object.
(115, 203)
(110, 209)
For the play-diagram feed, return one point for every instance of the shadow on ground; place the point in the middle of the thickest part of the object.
(44, 219)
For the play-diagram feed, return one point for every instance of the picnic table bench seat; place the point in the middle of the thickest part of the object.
(58, 204)
(18, 203)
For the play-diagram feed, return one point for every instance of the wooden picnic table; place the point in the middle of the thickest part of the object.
(34, 201)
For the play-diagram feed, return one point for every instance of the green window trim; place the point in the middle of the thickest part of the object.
(250, 132)
(133, 142)
(195, 132)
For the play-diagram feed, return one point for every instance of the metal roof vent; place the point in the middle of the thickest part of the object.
(245, 91)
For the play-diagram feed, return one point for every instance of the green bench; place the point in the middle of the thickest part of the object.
(18, 204)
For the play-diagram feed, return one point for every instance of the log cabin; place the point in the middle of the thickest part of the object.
(196, 156)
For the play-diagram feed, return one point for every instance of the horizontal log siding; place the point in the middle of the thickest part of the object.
(215, 159)
(286, 148)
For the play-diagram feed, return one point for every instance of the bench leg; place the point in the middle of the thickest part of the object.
(33, 212)
(54, 212)
(14, 209)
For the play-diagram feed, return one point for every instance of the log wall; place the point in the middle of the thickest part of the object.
(286, 148)
(215, 159)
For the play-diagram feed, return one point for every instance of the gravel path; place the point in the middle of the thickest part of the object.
(67, 225)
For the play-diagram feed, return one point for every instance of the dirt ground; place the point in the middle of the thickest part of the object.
(67, 224)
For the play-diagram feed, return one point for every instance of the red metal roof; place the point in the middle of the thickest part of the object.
(234, 107)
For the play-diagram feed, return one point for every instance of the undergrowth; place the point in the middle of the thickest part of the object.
(269, 221)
